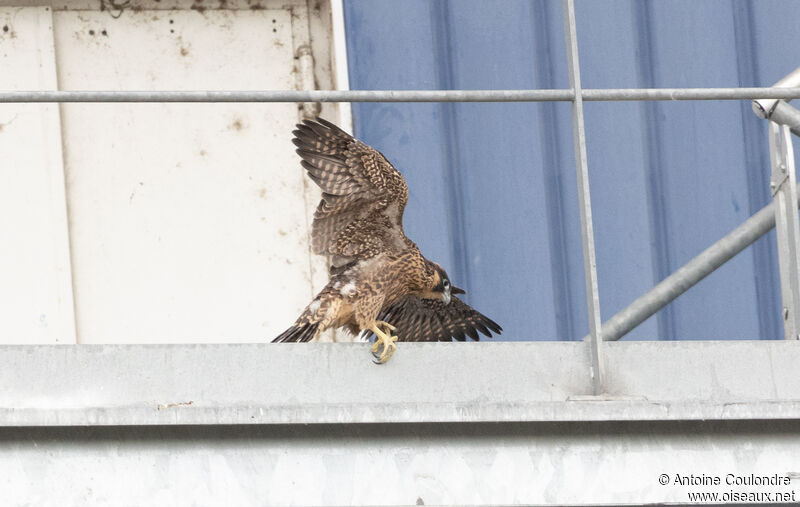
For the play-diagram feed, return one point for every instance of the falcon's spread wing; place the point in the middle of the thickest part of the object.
(363, 195)
(429, 320)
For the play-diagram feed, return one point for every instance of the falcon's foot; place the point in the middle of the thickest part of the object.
(384, 341)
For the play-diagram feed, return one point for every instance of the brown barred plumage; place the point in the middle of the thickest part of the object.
(361, 212)
(426, 320)
(376, 271)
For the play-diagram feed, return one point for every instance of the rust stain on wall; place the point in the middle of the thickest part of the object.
(236, 124)
(173, 405)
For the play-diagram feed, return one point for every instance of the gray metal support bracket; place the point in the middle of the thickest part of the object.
(587, 229)
(785, 114)
(787, 225)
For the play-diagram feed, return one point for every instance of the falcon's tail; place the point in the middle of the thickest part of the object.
(298, 333)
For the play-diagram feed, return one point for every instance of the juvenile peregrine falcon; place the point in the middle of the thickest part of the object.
(379, 280)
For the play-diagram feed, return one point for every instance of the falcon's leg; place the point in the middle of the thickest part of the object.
(384, 339)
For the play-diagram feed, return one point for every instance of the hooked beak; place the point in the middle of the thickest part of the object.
(456, 290)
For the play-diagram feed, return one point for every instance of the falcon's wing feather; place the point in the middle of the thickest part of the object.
(363, 195)
(431, 320)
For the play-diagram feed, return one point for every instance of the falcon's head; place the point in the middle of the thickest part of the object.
(439, 286)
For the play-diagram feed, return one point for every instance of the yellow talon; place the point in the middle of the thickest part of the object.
(386, 326)
(384, 339)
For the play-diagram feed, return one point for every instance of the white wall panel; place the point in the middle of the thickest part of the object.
(188, 221)
(35, 287)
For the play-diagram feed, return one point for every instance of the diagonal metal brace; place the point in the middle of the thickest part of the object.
(587, 230)
(787, 225)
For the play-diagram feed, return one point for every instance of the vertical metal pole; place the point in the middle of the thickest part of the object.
(784, 193)
(587, 230)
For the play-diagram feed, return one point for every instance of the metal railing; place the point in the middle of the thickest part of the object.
(783, 211)
(588, 95)
(769, 103)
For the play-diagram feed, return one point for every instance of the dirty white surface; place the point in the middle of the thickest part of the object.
(187, 222)
(35, 287)
(154, 223)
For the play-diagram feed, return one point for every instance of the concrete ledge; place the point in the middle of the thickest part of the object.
(424, 383)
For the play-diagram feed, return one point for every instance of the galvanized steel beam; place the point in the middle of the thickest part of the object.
(787, 225)
(613, 94)
(336, 383)
(584, 199)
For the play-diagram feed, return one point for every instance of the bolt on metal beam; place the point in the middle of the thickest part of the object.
(587, 230)
(688, 275)
(783, 184)
(611, 94)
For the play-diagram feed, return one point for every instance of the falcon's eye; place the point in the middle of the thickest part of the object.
(446, 284)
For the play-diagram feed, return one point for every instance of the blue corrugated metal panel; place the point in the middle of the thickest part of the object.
(493, 191)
